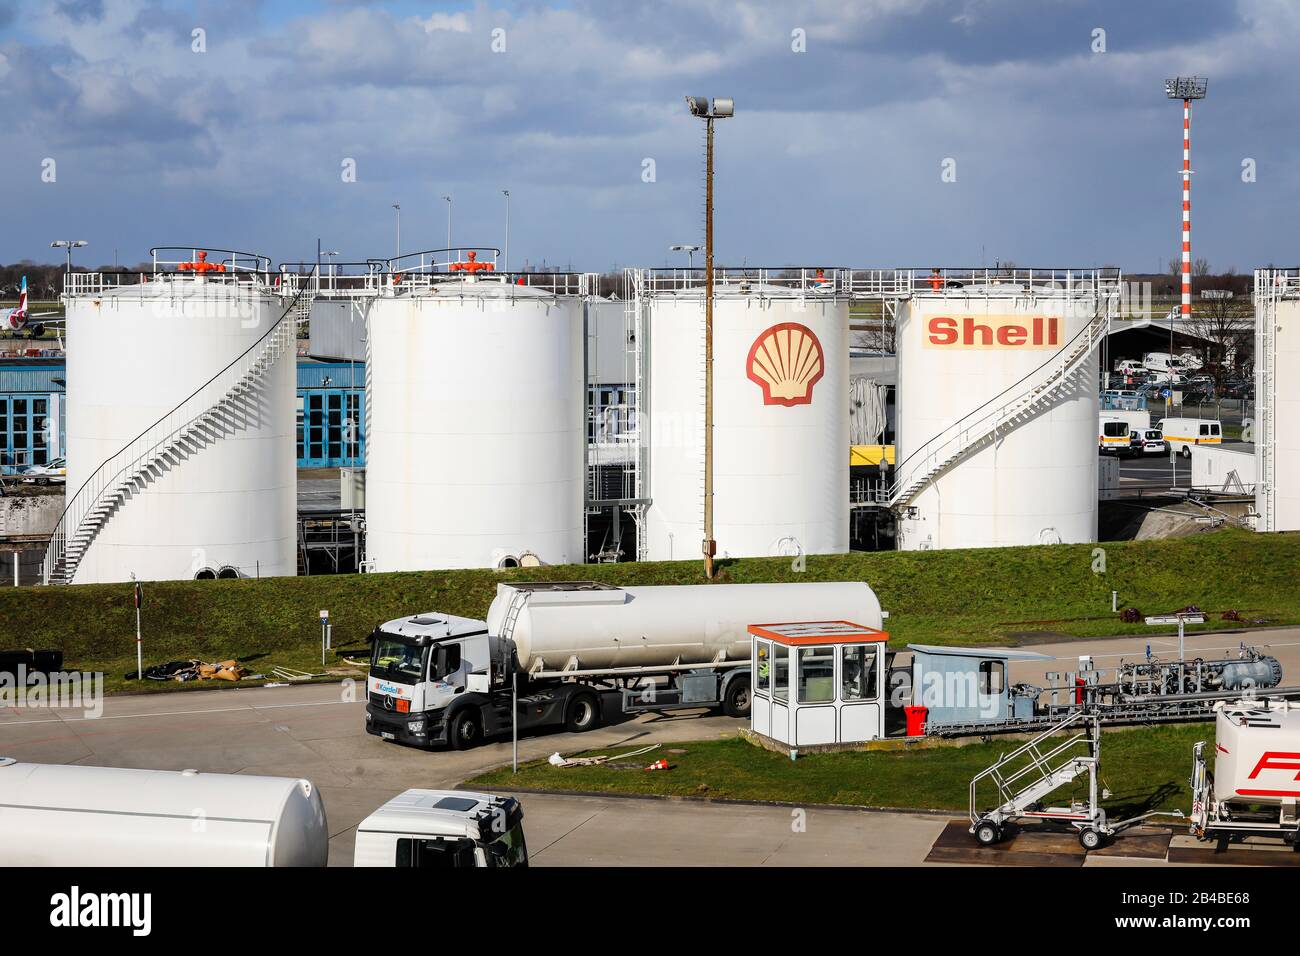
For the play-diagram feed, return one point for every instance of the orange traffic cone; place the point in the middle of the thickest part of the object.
(659, 764)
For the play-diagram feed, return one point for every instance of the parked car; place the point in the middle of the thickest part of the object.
(53, 473)
(1153, 442)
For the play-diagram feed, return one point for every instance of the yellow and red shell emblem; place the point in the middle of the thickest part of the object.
(786, 361)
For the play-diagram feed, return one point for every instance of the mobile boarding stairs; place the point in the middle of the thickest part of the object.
(1043, 765)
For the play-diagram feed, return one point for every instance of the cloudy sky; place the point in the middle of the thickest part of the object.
(1050, 113)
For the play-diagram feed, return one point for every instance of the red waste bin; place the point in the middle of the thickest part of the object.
(916, 720)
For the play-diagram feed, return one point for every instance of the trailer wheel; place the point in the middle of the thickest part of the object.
(987, 833)
(735, 701)
(582, 715)
(465, 730)
(1090, 839)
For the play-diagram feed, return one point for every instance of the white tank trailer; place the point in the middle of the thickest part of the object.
(994, 448)
(1255, 786)
(781, 415)
(475, 441)
(63, 815)
(180, 429)
(564, 645)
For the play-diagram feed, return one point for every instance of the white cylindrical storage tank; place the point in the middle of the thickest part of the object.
(781, 421)
(964, 353)
(68, 815)
(168, 351)
(608, 627)
(1279, 399)
(475, 445)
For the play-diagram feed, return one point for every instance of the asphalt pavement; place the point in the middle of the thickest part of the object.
(317, 732)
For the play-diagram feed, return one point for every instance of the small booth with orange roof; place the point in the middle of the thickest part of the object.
(818, 683)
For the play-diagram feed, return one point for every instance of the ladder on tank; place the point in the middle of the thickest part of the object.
(193, 424)
(1009, 409)
(507, 634)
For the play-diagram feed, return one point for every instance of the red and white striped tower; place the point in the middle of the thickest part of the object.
(1187, 88)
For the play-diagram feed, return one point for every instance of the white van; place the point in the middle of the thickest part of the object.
(1182, 433)
(1115, 437)
(1128, 366)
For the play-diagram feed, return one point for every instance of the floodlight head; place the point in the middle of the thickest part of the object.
(1186, 87)
(698, 105)
(724, 106)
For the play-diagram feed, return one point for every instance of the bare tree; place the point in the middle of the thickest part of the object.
(1225, 330)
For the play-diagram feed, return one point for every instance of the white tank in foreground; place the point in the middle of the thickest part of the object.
(72, 816)
(226, 497)
(1257, 752)
(475, 427)
(605, 627)
(964, 353)
(781, 418)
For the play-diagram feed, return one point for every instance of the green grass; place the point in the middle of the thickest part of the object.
(985, 596)
(1144, 768)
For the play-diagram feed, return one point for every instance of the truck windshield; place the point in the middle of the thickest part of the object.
(509, 848)
(397, 660)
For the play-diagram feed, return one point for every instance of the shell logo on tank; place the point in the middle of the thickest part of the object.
(992, 332)
(786, 361)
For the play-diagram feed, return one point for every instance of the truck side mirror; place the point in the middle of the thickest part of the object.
(477, 683)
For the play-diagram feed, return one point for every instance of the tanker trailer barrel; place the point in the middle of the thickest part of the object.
(64, 815)
(587, 627)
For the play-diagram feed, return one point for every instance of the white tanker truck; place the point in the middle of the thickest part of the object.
(559, 648)
(1255, 787)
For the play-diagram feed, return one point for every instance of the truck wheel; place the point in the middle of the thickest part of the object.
(1090, 839)
(987, 833)
(465, 730)
(735, 700)
(582, 715)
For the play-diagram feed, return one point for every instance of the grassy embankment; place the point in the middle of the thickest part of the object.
(1145, 769)
(987, 596)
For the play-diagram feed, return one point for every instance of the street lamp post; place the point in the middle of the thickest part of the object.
(398, 253)
(690, 253)
(448, 198)
(720, 108)
(506, 193)
(69, 245)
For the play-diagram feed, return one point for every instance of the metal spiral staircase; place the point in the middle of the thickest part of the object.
(194, 423)
(1005, 411)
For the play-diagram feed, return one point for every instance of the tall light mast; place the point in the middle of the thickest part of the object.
(1187, 88)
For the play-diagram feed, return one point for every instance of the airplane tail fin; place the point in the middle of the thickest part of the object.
(22, 296)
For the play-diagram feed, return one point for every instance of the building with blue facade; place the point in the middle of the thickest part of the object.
(331, 413)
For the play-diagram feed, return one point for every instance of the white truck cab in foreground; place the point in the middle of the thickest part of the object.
(443, 828)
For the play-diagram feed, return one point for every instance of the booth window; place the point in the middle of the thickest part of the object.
(858, 672)
(763, 658)
(816, 675)
(781, 673)
(992, 677)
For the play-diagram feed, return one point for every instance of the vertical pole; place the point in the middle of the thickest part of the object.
(709, 545)
(514, 720)
(507, 192)
(1187, 221)
(139, 648)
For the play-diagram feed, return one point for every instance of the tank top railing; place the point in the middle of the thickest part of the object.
(980, 282)
(915, 471)
(90, 505)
